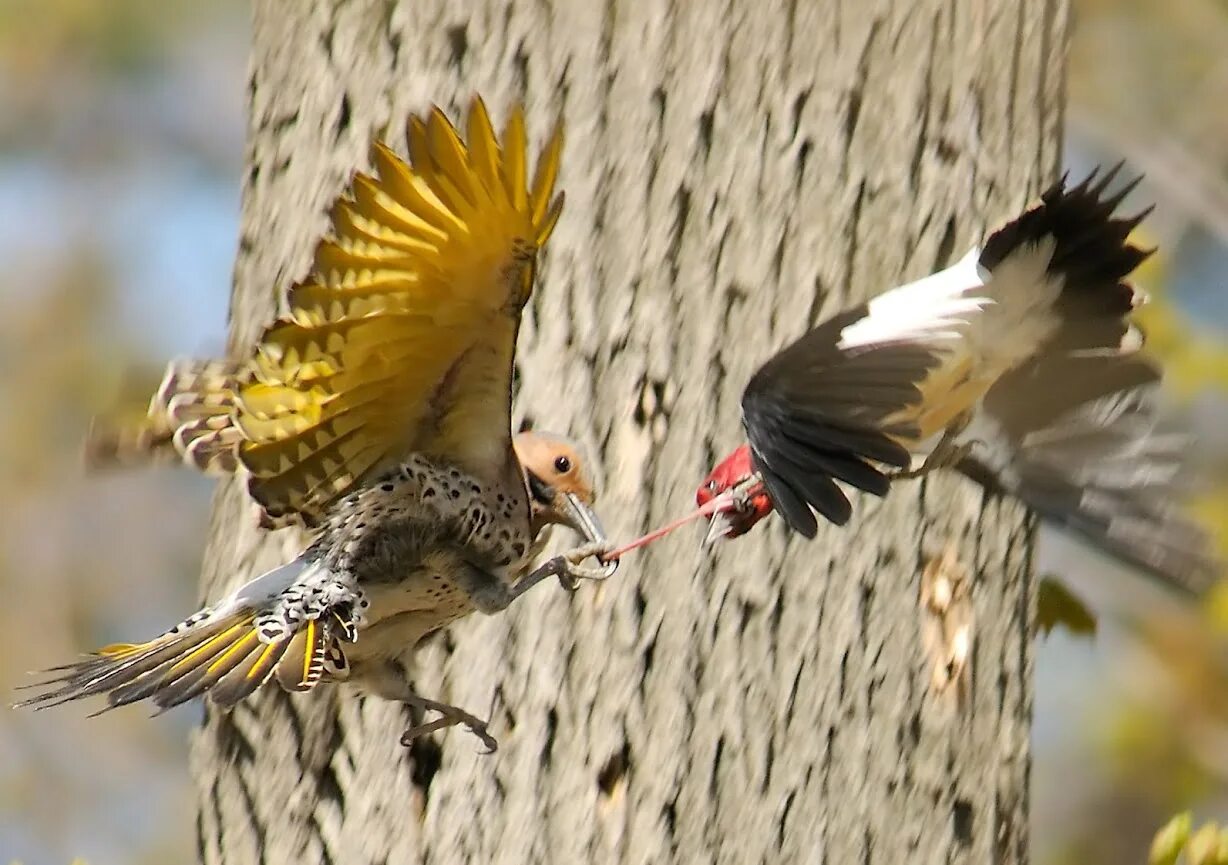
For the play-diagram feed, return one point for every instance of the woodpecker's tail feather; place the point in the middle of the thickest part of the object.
(284, 625)
(1072, 426)
(1088, 451)
(1108, 473)
(189, 420)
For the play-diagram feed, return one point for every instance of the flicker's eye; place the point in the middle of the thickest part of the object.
(712, 485)
(562, 465)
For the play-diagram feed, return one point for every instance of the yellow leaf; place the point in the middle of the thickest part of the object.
(1216, 605)
(1167, 844)
(1057, 605)
(1203, 846)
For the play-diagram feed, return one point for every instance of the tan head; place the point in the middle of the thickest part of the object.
(560, 487)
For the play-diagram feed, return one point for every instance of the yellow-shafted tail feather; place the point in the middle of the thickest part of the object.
(223, 657)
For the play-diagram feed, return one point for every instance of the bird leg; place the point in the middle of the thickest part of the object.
(568, 569)
(571, 572)
(451, 716)
(946, 453)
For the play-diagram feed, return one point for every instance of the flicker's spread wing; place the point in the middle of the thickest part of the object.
(401, 338)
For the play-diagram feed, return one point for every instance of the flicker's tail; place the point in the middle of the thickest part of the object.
(286, 624)
(189, 420)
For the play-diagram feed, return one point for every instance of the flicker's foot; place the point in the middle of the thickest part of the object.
(570, 571)
(451, 717)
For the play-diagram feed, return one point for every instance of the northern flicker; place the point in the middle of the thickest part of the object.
(376, 410)
(397, 559)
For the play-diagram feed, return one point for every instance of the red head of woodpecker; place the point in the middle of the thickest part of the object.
(732, 473)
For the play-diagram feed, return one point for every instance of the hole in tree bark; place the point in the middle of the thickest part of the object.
(706, 122)
(614, 770)
(458, 42)
(670, 815)
(946, 246)
(427, 757)
(961, 821)
(343, 117)
(552, 729)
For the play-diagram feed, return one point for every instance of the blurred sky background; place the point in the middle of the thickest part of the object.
(121, 142)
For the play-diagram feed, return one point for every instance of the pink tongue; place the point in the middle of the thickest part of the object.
(723, 502)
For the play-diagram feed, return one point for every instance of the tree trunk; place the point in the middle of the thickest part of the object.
(734, 171)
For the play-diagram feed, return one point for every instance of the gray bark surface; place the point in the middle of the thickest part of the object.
(734, 171)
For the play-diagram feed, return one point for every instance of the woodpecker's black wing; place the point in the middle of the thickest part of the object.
(823, 410)
(1090, 259)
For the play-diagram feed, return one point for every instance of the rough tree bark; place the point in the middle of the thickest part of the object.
(734, 170)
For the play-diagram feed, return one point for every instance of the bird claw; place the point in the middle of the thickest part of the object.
(571, 572)
(945, 455)
(740, 493)
(452, 716)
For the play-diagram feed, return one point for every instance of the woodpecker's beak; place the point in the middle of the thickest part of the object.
(719, 527)
(733, 511)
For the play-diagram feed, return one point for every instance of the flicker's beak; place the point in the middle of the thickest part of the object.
(574, 513)
(568, 509)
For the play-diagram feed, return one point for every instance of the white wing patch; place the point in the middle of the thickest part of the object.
(264, 588)
(998, 318)
(938, 307)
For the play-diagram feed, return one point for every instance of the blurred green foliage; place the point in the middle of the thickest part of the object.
(1058, 606)
(1177, 843)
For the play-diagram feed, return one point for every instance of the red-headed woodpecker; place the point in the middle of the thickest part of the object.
(1018, 366)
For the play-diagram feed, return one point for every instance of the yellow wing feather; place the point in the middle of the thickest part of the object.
(400, 339)
(427, 268)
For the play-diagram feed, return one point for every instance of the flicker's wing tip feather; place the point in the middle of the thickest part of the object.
(186, 422)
